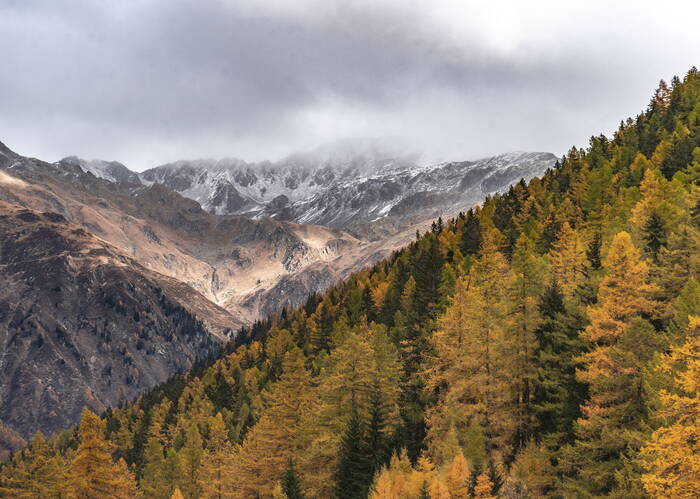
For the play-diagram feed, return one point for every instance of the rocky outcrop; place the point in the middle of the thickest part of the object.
(83, 324)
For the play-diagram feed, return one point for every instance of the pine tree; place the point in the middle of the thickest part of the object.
(353, 475)
(290, 481)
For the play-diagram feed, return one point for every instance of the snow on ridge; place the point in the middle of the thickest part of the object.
(331, 190)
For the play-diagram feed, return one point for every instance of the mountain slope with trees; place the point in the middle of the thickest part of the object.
(541, 345)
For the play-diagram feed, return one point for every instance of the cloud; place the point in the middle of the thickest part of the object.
(149, 81)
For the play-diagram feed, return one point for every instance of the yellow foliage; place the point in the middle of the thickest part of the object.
(568, 260)
(672, 457)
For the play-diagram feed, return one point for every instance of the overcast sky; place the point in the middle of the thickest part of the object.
(150, 81)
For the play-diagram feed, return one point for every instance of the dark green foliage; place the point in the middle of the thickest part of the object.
(470, 241)
(424, 492)
(291, 485)
(593, 251)
(654, 234)
(557, 393)
(353, 476)
(378, 444)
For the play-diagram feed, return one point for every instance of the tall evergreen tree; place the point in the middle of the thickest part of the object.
(353, 476)
(654, 234)
(291, 484)
(557, 394)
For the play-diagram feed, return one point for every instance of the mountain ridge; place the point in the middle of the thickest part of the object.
(326, 191)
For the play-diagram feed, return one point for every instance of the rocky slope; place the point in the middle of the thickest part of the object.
(228, 259)
(81, 323)
(336, 190)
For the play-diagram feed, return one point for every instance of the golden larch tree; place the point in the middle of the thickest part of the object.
(672, 458)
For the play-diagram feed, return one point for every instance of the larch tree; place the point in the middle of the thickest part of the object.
(279, 434)
(483, 488)
(530, 272)
(189, 462)
(38, 472)
(93, 473)
(154, 482)
(474, 358)
(622, 342)
(672, 456)
(217, 479)
(569, 260)
(458, 477)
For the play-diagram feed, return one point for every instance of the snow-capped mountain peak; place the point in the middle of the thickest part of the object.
(328, 187)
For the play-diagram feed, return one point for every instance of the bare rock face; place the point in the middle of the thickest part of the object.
(81, 323)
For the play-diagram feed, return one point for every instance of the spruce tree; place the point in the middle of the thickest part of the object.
(471, 234)
(654, 235)
(557, 393)
(291, 484)
(377, 439)
(353, 475)
(424, 491)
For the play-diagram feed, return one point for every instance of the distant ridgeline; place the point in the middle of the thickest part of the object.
(544, 344)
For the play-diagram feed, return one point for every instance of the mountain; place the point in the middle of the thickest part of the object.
(337, 190)
(108, 170)
(82, 323)
(232, 261)
(543, 344)
(115, 283)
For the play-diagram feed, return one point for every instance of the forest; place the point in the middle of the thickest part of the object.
(543, 344)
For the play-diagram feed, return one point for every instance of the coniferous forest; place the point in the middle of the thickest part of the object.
(543, 344)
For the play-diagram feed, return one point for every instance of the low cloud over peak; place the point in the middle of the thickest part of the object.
(147, 82)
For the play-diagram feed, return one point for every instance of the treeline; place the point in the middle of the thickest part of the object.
(543, 344)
